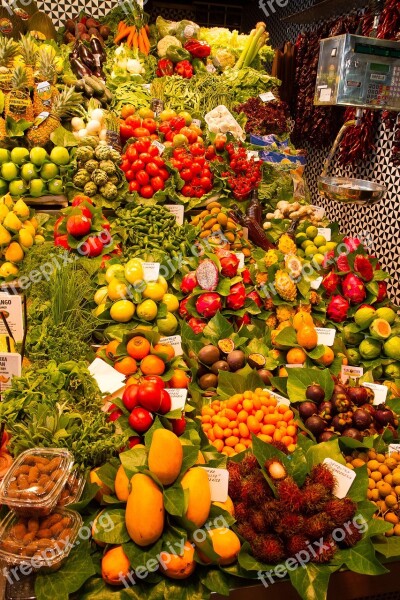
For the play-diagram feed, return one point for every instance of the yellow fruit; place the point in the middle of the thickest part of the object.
(162, 281)
(165, 456)
(39, 239)
(200, 459)
(227, 505)
(3, 212)
(8, 201)
(5, 236)
(35, 222)
(144, 516)
(29, 227)
(115, 566)
(196, 481)
(100, 309)
(178, 567)
(104, 489)
(25, 238)
(101, 295)
(121, 485)
(112, 271)
(8, 269)
(117, 290)
(147, 310)
(14, 253)
(155, 291)
(134, 271)
(171, 301)
(12, 222)
(226, 544)
(21, 209)
(122, 311)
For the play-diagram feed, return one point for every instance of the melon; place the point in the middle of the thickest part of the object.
(40, 22)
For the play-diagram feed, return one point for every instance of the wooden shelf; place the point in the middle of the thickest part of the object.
(324, 10)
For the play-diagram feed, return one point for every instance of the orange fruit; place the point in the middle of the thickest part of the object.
(166, 350)
(152, 365)
(327, 358)
(179, 379)
(133, 380)
(138, 347)
(111, 349)
(126, 366)
(345, 360)
(307, 337)
(283, 372)
(302, 318)
(296, 356)
(100, 350)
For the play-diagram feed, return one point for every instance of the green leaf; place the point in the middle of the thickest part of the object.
(300, 379)
(362, 559)
(230, 384)
(248, 562)
(63, 137)
(377, 527)
(133, 458)
(215, 513)
(190, 454)
(317, 454)
(287, 337)
(16, 128)
(174, 500)
(359, 487)
(140, 557)
(218, 328)
(216, 581)
(149, 435)
(89, 492)
(107, 474)
(67, 580)
(298, 465)
(111, 528)
(389, 547)
(312, 581)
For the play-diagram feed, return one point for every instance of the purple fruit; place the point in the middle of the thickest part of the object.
(341, 402)
(315, 393)
(307, 409)
(358, 395)
(353, 433)
(326, 436)
(265, 376)
(315, 425)
(362, 419)
(326, 410)
(383, 415)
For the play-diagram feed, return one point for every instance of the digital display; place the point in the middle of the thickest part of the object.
(377, 50)
(380, 68)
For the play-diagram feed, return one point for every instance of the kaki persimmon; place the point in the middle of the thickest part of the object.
(138, 347)
(307, 337)
(152, 365)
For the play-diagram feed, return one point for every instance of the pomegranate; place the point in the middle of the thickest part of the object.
(337, 309)
(354, 289)
(207, 305)
(245, 320)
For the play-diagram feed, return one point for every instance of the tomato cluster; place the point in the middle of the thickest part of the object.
(245, 174)
(177, 126)
(194, 169)
(144, 168)
(134, 126)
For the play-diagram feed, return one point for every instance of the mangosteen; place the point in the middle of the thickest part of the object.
(326, 410)
(315, 393)
(358, 395)
(236, 360)
(383, 415)
(208, 381)
(351, 432)
(220, 365)
(340, 402)
(362, 419)
(226, 346)
(326, 436)
(315, 425)
(256, 361)
(338, 423)
(338, 388)
(209, 355)
(307, 410)
(265, 376)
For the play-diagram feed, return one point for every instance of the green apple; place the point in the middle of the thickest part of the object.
(59, 155)
(4, 155)
(9, 171)
(49, 171)
(3, 187)
(19, 155)
(38, 156)
(17, 187)
(56, 186)
(28, 171)
(37, 188)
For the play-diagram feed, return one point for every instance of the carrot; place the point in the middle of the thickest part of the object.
(131, 36)
(121, 26)
(135, 42)
(142, 46)
(147, 28)
(146, 39)
(122, 34)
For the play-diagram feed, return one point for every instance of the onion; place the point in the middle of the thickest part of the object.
(77, 123)
(82, 133)
(103, 134)
(97, 115)
(93, 127)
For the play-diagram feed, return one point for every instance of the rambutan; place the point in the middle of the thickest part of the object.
(340, 511)
(289, 524)
(268, 548)
(241, 511)
(235, 481)
(323, 475)
(258, 488)
(326, 552)
(248, 464)
(289, 494)
(257, 521)
(314, 496)
(318, 525)
(272, 511)
(247, 532)
(280, 446)
(352, 537)
(296, 544)
(275, 469)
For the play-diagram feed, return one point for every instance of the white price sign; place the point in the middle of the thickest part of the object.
(11, 307)
(343, 475)
(177, 210)
(316, 284)
(176, 343)
(380, 392)
(151, 271)
(218, 480)
(160, 147)
(240, 256)
(326, 232)
(348, 372)
(394, 448)
(326, 336)
(319, 211)
(281, 399)
(178, 398)
(267, 97)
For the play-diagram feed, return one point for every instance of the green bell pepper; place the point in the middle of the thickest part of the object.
(198, 65)
(177, 54)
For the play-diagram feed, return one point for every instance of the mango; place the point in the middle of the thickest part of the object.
(165, 456)
(200, 459)
(3, 212)
(227, 505)
(14, 253)
(21, 209)
(144, 516)
(12, 222)
(178, 567)
(121, 485)
(115, 566)
(39, 240)
(8, 269)
(5, 236)
(104, 490)
(28, 225)
(25, 238)
(226, 544)
(196, 481)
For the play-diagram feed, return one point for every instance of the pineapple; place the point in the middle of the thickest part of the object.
(28, 51)
(2, 128)
(285, 286)
(8, 51)
(18, 103)
(46, 71)
(284, 313)
(67, 104)
(286, 244)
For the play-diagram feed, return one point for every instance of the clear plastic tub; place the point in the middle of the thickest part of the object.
(35, 481)
(73, 489)
(43, 543)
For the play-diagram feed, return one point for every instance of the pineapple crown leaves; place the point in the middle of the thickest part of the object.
(67, 104)
(28, 49)
(46, 64)
(19, 79)
(8, 51)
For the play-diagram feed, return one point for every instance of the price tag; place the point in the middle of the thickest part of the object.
(344, 477)
(316, 284)
(267, 97)
(394, 448)
(326, 232)
(295, 366)
(176, 343)
(240, 256)
(108, 379)
(11, 307)
(325, 95)
(178, 398)
(160, 147)
(326, 336)
(280, 398)
(146, 86)
(253, 154)
(380, 392)
(151, 271)
(348, 371)
(218, 480)
(319, 211)
(245, 233)
(177, 210)
(10, 366)
(196, 122)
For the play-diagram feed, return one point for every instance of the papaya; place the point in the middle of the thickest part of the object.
(165, 456)
(178, 567)
(144, 515)
(121, 485)
(196, 481)
(104, 490)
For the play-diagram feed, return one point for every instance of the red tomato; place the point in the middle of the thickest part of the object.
(126, 131)
(125, 166)
(145, 157)
(206, 183)
(130, 397)
(198, 192)
(149, 395)
(153, 151)
(137, 165)
(178, 426)
(78, 225)
(169, 136)
(142, 178)
(57, 226)
(127, 111)
(197, 149)
(114, 413)
(158, 160)
(140, 419)
(150, 124)
(133, 441)
(210, 153)
(220, 141)
(155, 379)
(190, 134)
(152, 169)
(134, 186)
(142, 145)
(187, 191)
(134, 121)
(196, 168)
(186, 174)
(166, 403)
(164, 174)
(131, 153)
(106, 225)
(154, 136)
(62, 240)
(200, 160)
(177, 164)
(140, 132)
(179, 152)
(157, 183)
(130, 175)
(147, 191)
(187, 163)
(91, 247)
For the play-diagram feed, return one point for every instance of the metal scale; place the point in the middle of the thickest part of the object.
(363, 72)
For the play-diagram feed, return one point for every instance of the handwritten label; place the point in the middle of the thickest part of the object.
(160, 147)
(10, 366)
(325, 95)
(326, 232)
(151, 271)
(344, 477)
(11, 307)
(319, 211)
(218, 480)
(394, 448)
(316, 284)
(295, 366)
(108, 379)
(280, 398)
(326, 336)
(267, 97)
(196, 122)
(177, 210)
(348, 371)
(146, 86)
(176, 343)
(240, 256)
(253, 154)
(178, 398)
(380, 392)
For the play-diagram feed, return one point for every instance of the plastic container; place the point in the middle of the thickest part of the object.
(73, 489)
(43, 543)
(35, 481)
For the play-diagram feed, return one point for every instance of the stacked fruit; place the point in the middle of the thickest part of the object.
(194, 169)
(229, 424)
(33, 173)
(140, 124)
(144, 168)
(383, 483)
(245, 173)
(18, 232)
(350, 412)
(313, 245)
(178, 129)
(283, 526)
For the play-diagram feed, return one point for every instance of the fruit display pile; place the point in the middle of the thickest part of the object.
(212, 365)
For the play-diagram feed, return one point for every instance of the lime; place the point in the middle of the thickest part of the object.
(9, 171)
(311, 232)
(307, 243)
(300, 253)
(331, 245)
(3, 187)
(318, 258)
(17, 187)
(112, 271)
(300, 238)
(4, 155)
(370, 348)
(319, 240)
(122, 311)
(311, 250)
(19, 155)
(168, 325)
(38, 156)
(49, 171)
(354, 357)
(147, 310)
(59, 155)
(56, 187)
(392, 347)
(28, 171)
(101, 295)
(37, 187)
(171, 301)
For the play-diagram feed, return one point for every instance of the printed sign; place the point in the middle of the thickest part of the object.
(326, 232)
(380, 392)
(348, 371)
(281, 399)
(108, 379)
(176, 343)
(326, 336)
(178, 398)
(267, 97)
(11, 307)
(177, 210)
(10, 366)
(344, 477)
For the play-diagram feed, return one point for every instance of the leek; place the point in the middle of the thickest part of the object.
(253, 49)
(245, 50)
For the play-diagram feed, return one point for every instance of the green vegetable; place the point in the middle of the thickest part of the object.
(247, 83)
(186, 30)
(130, 93)
(177, 53)
(165, 43)
(199, 66)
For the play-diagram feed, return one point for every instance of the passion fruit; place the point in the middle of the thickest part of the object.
(209, 355)
(208, 381)
(265, 375)
(236, 360)
(226, 345)
(256, 361)
(220, 365)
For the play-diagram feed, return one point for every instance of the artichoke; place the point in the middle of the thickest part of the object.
(115, 156)
(108, 167)
(99, 177)
(91, 165)
(114, 179)
(90, 189)
(81, 178)
(103, 152)
(84, 153)
(109, 191)
(90, 140)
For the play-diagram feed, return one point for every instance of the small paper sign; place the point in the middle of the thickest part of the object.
(108, 379)
(319, 211)
(176, 343)
(11, 307)
(218, 480)
(316, 284)
(267, 97)
(160, 147)
(326, 232)
(196, 122)
(177, 210)
(253, 154)
(394, 448)
(10, 366)
(326, 336)
(151, 271)
(325, 95)
(344, 477)
(178, 398)
(245, 233)
(280, 398)
(240, 256)
(295, 366)
(146, 86)
(380, 392)
(348, 371)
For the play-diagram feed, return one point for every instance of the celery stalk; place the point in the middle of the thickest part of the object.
(245, 50)
(260, 30)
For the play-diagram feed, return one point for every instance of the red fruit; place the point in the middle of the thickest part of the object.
(155, 379)
(328, 259)
(86, 212)
(207, 275)
(268, 548)
(104, 260)
(247, 466)
(330, 283)
(382, 291)
(255, 296)
(77, 201)
(166, 403)
(353, 536)
(92, 247)
(189, 282)
(207, 305)
(337, 309)
(245, 320)
(183, 311)
(237, 297)
(315, 496)
(115, 413)
(351, 243)
(296, 543)
(197, 325)
(229, 263)
(57, 226)
(363, 267)
(354, 289)
(318, 525)
(289, 524)
(149, 395)
(78, 225)
(133, 441)
(62, 240)
(246, 277)
(130, 397)
(326, 552)
(342, 263)
(178, 426)
(140, 419)
(289, 494)
(340, 511)
(323, 475)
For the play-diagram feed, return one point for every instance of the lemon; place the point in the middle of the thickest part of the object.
(168, 325)
(134, 271)
(318, 258)
(307, 243)
(112, 271)
(311, 232)
(147, 310)
(99, 309)
(25, 238)
(323, 249)
(101, 295)
(331, 245)
(162, 281)
(117, 290)
(171, 301)
(122, 311)
(154, 291)
(310, 250)
(319, 241)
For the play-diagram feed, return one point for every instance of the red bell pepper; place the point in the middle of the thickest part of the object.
(184, 69)
(165, 67)
(197, 48)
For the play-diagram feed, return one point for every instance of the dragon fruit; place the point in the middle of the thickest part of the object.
(342, 263)
(351, 243)
(207, 275)
(363, 267)
(183, 311)
(382, 291)
(354, 289)
(189, 282)
(237, 297)
(246, 276)
(330, 283)
(245, 320)
(229, 263)
(207, 305)
(337, 309)
(328, 259)
(255, 296)
(197, 325)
